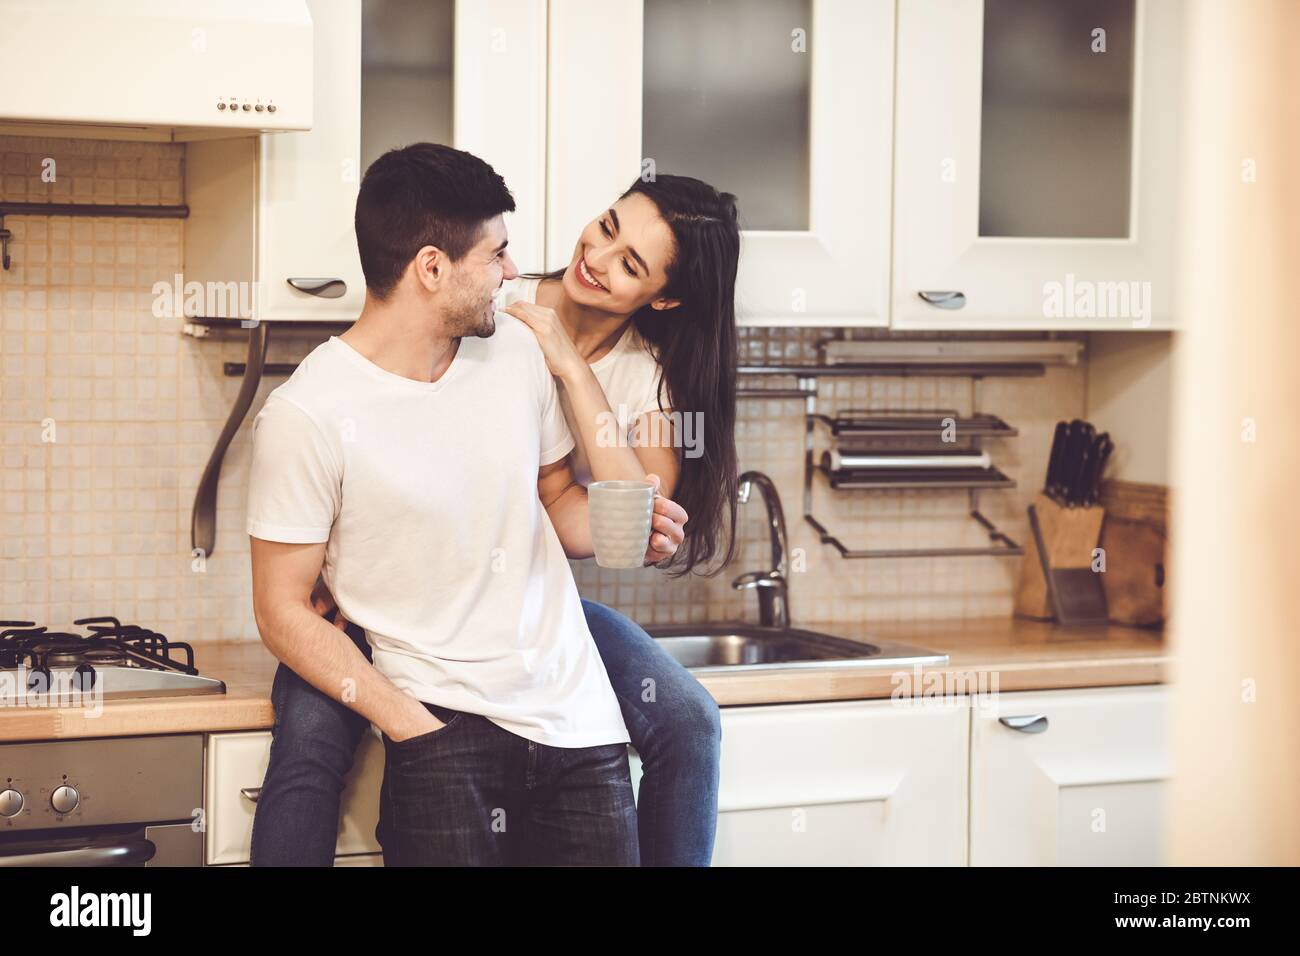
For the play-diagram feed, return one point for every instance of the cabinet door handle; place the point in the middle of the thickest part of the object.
(1027, 724)
(324, 288)
(251, 794)
(944, 300)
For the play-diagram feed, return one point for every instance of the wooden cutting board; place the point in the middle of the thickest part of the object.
(1135, 537)
(1135, 571)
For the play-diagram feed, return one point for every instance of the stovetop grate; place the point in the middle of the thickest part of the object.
(108, 643)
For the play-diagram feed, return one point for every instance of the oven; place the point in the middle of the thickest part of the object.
(113, 801)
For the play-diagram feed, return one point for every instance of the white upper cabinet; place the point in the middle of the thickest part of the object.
(471, 73)
(785, 103)
(307, 183)
(1019, 160)
(1036, 164)
(278, 211)
(500, 107)
(271, 217)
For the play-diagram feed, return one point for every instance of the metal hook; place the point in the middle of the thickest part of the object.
(5, 236)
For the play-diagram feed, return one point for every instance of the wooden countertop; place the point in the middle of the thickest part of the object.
(986, 655)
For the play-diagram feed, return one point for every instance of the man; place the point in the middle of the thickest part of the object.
(418, 464)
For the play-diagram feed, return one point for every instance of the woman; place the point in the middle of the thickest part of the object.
(639, 329)
(649, 293)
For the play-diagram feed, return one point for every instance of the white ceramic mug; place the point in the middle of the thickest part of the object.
(620, 513)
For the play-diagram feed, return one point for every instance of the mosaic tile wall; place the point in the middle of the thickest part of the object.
(108, 414)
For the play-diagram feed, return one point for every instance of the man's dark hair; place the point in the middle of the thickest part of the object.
(420, 195)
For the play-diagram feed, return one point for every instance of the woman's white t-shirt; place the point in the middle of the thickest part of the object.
(628, 374)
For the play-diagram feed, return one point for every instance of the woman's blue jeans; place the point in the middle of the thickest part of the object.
(673, 722)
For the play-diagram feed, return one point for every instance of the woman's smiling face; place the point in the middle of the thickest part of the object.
(621, 259)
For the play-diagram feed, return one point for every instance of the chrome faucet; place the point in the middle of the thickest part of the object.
(771, 586)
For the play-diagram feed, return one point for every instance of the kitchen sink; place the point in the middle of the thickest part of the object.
(739, 648)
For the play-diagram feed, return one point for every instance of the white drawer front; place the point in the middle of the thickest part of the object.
(238, 761)
(853, 783)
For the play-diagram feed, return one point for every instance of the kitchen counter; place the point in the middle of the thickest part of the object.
(987, 655)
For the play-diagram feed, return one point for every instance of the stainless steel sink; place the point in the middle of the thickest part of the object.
(772, 645)
(736, 648)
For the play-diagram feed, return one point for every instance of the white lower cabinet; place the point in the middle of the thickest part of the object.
(853, 783)
(1067, 777)
(1082, 782)
(237, 763)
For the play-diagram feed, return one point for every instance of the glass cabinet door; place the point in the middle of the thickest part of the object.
(468, 73)
(1036, 163)
(1056, 119)
(407, 48)
(724, 97)
(785, 103)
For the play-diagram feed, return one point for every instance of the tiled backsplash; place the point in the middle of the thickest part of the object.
(108, 415)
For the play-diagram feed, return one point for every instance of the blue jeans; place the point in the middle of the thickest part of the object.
(672, 720)
(472, 794)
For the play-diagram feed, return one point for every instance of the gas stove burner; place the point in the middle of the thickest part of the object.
(115, 659)
(81, 653)
(104, 654)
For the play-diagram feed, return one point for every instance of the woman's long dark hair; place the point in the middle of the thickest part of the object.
(695, 345)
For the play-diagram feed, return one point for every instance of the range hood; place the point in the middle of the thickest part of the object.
(155, 69)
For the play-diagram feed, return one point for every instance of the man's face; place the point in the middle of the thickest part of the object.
(474, 283)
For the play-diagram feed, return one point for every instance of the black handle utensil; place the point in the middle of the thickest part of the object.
(1056, 458)
(1099, 455)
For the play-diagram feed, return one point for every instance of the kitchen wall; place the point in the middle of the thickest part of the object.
(107, 416)
(1130, 391)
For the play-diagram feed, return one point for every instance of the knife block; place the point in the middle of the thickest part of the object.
(1069, 537)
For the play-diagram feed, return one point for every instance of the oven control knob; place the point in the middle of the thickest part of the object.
(65, 799)
(11, 802)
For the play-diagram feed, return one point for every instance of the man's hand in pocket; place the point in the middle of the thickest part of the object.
(417, 721)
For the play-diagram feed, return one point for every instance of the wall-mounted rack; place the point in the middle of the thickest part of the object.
(79, 209)
(916, 427)
(901, 369)
(874, 459)
(912, 428)
(850, 424)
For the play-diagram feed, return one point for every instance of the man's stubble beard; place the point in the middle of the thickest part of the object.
(471, 325)
(472, 319)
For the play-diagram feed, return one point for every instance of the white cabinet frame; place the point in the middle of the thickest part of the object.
(937, 246)
(837, 272)
(500, 108)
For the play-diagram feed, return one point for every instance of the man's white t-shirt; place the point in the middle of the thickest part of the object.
(628, 373)
(438, 545)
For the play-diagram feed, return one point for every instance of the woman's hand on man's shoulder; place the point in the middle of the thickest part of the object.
(561, 357)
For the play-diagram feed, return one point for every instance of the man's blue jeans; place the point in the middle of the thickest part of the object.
(672, 720)
(472, 794)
